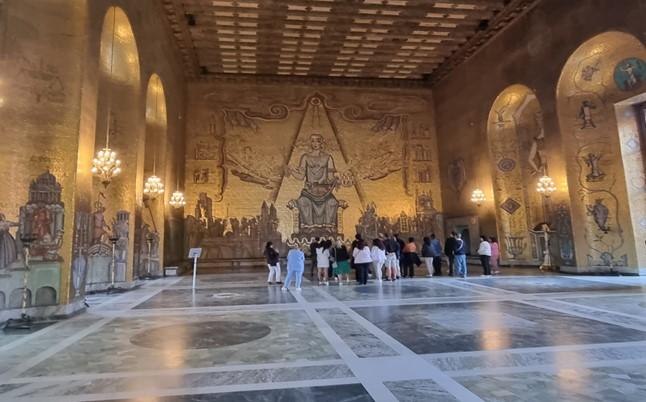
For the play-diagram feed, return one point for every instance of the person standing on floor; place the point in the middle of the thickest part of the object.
(341, 263)
(354, 244)
(436, 251)
(484, 251)
(449, 251)
(495, 256)
(313, 246)
(460, 254)
(400, 254)
(323, 262)
(362, 260)
(295, 267)
(427, 256)
(409, 259)
(330, 270)
(392, 248)
(273, 263)
(378, 255)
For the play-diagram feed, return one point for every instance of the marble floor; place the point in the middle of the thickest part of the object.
(507, 338)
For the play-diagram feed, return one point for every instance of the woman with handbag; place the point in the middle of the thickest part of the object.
(341, 264)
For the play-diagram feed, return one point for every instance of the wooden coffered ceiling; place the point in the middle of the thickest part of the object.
(365, 39)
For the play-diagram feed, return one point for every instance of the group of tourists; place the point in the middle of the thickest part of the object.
(387, 257)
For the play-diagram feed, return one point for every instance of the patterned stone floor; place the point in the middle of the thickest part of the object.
(508, 338)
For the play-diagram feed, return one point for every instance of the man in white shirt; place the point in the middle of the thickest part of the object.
(484, 251)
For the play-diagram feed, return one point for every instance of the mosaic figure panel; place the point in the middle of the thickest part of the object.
(290, 167)
(516, 142)
(602, 72)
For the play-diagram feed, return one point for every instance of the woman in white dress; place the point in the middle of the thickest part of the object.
(323, 261)
(378, 255)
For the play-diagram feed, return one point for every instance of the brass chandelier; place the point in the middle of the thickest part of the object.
(177, 200)
(153, 187)
(546, 186)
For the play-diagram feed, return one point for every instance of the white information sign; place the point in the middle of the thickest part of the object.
(194, 253)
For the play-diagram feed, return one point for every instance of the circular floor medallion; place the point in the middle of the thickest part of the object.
(202, 335)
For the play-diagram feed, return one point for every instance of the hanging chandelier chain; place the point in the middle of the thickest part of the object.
(106, 165)
(114, 32)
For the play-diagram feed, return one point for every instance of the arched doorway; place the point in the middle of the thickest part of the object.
(605, 170)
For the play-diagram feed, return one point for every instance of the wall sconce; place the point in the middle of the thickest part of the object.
(478, 197)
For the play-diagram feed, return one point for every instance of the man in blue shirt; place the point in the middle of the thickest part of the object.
(460, 256)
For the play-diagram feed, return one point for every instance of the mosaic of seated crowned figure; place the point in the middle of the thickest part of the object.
(317, 206)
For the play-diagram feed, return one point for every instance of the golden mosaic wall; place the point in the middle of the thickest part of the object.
(536, 52)
(323, 160)
(54, 96)
(608, 68)
(41, 60)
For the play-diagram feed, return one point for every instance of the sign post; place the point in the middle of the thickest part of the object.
(194, 253)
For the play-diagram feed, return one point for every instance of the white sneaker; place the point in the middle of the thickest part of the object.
(284, 289)
(298, 289)
(327, 283)
(379, 280)
(340, 283)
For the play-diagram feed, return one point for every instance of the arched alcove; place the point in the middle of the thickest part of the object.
(151, 232)
(2, 300)
(45, 296)
(516, 138)
(16, 297)
(598, 84)
(119, 114)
